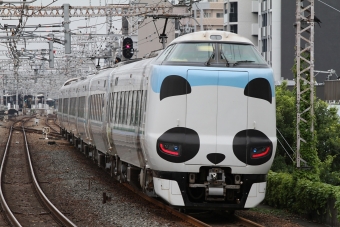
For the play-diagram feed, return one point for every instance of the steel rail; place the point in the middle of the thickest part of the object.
(7, 210)
(62, 218)
(247, 222)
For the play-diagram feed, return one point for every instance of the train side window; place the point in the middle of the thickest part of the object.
(73, 106)
(94, 107)
(90, 107)
(65, 106)
(141, 107)
(137, 107)
(117, 108)
(124, 108)
(114, 107)
(120, 107)
(127, 101)
(81, 107)
(129, 109)
(98, 107)
(133, 106)
(109, 107)
(78, 106)
(101, 108)
(60, 106)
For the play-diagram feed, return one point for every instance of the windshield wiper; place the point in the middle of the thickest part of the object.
(227, 64)
(243, 61)
(207, 63)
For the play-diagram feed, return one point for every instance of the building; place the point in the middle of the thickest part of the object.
(276, 32)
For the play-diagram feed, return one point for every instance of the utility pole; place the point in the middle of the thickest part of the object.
(67, 28)
(304, 69)
(50, 47)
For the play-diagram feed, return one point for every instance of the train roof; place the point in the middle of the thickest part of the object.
(212, 35)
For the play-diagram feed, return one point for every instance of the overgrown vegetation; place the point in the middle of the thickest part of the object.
(305, 191)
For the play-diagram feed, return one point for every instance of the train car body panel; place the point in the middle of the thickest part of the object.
(96, 99)
(82, 110)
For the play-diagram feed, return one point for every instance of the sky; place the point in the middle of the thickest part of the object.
(76, 22)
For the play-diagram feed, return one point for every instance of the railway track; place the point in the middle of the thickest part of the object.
(22, 200)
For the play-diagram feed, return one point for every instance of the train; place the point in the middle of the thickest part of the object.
(193, 124)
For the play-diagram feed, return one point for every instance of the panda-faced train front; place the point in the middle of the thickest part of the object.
(210, 129)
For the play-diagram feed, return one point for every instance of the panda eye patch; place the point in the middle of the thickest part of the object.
(174, 85)
(259, 88)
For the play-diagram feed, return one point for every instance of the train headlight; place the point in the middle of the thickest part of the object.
(170, 149)
(259, 152)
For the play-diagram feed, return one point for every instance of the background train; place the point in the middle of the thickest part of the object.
(195, 125)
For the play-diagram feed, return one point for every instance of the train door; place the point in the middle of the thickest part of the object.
(232, 116)
(201, 113)
(217, 111)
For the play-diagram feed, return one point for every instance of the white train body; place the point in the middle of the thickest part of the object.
(198, 131)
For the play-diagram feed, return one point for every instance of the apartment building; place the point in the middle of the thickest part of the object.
(276, 32)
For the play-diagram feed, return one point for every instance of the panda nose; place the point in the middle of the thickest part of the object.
(216, 157)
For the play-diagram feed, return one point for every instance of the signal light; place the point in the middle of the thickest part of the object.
(128, 50)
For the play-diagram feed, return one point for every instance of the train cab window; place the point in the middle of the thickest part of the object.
(240, 54)
(191, 52)
(164, 54)
(216, 54)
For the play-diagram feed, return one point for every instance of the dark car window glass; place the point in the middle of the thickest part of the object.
(238, 53)
(163, 55)
(191, 52)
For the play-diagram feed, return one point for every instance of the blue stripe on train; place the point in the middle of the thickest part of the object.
(228, 76)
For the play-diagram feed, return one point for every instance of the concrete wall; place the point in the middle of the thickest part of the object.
(245, 20)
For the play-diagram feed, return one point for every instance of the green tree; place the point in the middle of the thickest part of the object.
(285, 115)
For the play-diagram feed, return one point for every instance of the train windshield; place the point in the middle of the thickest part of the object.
(215, 54)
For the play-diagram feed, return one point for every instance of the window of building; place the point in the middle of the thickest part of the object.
(207, 15)
(264, 45)
(233, 12)
(219, 15)
(233, 28)
(264, 20)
